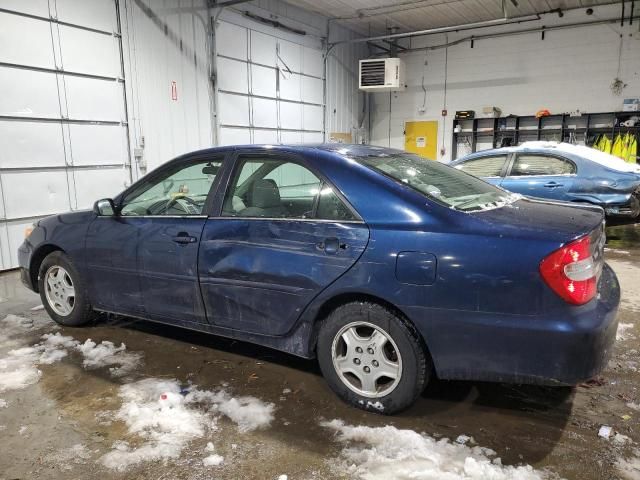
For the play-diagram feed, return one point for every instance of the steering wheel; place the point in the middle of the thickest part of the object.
(180, 201)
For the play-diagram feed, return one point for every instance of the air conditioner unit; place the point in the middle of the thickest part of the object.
(382, 75)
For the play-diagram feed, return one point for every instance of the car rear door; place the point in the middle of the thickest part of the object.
(540, 175)
(282, 234)
(490, 168)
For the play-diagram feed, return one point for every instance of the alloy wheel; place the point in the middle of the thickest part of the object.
(59, 290)
(366, 359)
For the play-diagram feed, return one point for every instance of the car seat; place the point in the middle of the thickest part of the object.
(264, 200)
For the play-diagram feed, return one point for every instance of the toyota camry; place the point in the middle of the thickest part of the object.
(388, 268)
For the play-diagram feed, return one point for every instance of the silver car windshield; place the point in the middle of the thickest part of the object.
(444, 184)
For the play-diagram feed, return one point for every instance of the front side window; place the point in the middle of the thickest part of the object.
(276, 188)
(441, 183)
(181, 191)
(528, 165)
(484, 167)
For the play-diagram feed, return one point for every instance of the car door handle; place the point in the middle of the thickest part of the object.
(331, 245)
(552, 184)
(184, 238)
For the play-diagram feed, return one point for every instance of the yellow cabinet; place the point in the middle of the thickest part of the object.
(422, 138)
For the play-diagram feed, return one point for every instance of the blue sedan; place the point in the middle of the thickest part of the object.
(561, 171)
(386, 267)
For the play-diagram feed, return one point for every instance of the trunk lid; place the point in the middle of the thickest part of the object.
(555, 222)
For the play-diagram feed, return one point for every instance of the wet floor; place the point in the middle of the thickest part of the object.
(552, 428)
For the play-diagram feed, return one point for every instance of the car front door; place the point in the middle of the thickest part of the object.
(490, 168)
(152, 243)
(539, 175)
(283, 235)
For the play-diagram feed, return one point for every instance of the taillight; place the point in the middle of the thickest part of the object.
(571, 272)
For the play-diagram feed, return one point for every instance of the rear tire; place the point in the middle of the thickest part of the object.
(371, 358)
(62, 293)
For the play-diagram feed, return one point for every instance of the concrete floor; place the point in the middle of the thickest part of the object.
(552, 428)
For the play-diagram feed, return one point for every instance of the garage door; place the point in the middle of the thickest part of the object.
(270, 90)
(63, 131)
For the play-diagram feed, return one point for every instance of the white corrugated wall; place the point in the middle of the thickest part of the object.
(344, 103)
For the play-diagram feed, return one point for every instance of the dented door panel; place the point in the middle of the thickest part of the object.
(258, 275)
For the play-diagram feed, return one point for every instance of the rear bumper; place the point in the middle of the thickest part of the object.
(562, 349)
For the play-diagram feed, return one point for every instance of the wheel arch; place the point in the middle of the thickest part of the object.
(36, 260)
(338, 300)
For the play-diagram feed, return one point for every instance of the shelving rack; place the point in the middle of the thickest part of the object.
(490, 132)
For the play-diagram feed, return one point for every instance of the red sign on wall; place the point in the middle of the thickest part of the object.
(174, 91)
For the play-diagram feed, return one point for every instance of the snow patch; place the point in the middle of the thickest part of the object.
(602, 158)
(19, 363)
(18, 369)
(166, 419)
(106, 354)
(3, 403)
(213, 460)
(249, 413)
(623, 331)
(388, 453)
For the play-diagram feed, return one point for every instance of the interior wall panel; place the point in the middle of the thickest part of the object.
(232, 76)
(265, 136)
(231, 40)
(47, 193)
(235, 136)
(265, 113)
(31, 144)
(263, 49)
(98, 14)
(52, 152)
(290, 115)
(263, 81)
(234, 109)
(290, 86)
(98, 144)
(312, 90)
(93, 184)
(26, 93)
(34, 52)
(32, 7)
(94, 99)
(88, 52)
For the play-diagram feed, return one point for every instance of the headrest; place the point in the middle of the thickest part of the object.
(265, 194)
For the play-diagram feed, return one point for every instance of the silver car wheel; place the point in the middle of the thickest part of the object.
(366, 359)
(59, 290)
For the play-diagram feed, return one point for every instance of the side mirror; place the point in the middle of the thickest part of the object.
(104, 207)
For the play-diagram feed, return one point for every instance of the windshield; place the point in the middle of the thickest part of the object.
(440, 182)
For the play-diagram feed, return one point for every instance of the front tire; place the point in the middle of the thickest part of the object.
(371, 358)
(62, 292)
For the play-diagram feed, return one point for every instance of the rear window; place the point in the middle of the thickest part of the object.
(484, 167)
(439, 182)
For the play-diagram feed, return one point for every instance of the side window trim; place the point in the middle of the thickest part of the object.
(234, 162)
(546, 155)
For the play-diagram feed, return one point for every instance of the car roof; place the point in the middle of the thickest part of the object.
(354, 150)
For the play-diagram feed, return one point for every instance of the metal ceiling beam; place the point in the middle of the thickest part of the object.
(454, 28)
(475, 38)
